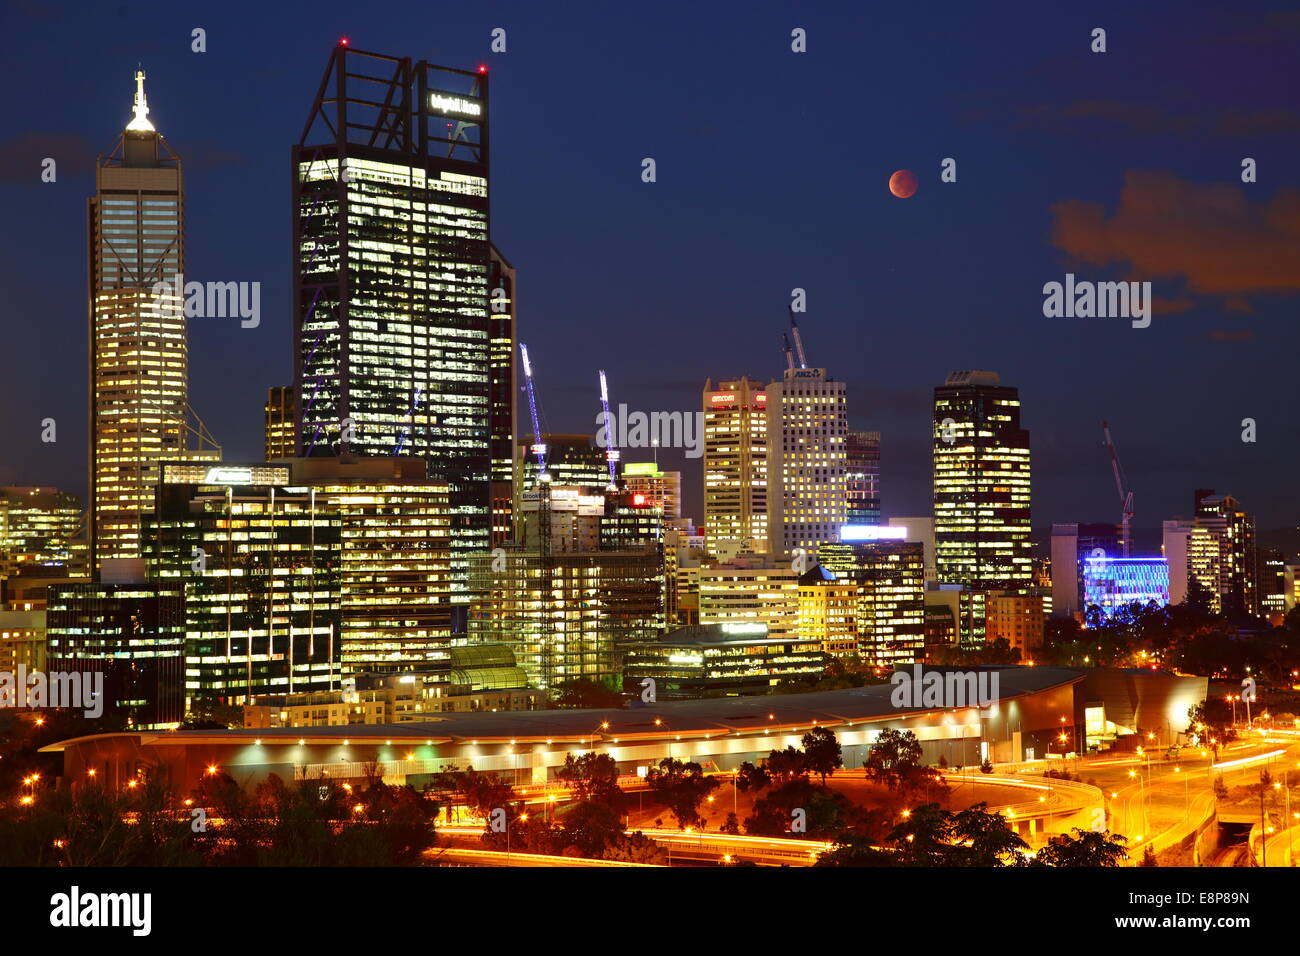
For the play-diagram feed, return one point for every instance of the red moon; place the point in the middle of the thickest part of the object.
(903, 183)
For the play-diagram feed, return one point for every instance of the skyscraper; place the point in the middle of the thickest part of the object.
(1234, 531)
(137, 337)
(981, 484)
(391, 237)
(862, 477)
(735, 462)
(807, 434)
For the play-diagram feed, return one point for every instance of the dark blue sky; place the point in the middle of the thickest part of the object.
(772, 170)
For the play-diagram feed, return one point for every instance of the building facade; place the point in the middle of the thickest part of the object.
(735, 463)
(807, 435)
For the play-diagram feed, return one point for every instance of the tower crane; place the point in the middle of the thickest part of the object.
(785, 347)
(1125, 494)
(538, 448)
(798, 339)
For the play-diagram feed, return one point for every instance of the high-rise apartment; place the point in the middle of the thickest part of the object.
(807, 435)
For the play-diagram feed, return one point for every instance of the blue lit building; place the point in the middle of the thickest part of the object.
(1111, 582)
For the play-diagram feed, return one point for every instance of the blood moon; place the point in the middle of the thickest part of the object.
(903, 183)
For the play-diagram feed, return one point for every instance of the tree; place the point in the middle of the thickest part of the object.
(894, 755)
(635, 848)
(1085, 848)
(1210, 723)
(750, 777)
(1148, 857)
(592, 776)
(681, 787)
(583, 692)
(931, 836)
(822, 751)
(986, 765)
(785, 765)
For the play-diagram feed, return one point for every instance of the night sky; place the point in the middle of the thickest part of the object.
(772, 171)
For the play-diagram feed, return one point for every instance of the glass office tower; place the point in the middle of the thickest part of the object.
(390, 232)
(981, 484)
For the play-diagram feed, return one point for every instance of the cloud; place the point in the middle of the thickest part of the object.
(1231, 335)
(1214, 237)
(21, 156)
(1082, 117)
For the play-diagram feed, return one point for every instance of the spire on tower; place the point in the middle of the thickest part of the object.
(140, 124)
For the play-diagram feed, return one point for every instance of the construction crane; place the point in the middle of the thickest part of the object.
(611, 449)
(538, 448)
(1125, 495)
(785, 347)
(798, 339)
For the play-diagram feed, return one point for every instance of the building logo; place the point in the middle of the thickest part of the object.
(935, 689)
(452, 105)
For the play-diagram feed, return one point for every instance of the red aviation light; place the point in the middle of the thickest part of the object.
(343, 41)
(638, 501)
(482, 67)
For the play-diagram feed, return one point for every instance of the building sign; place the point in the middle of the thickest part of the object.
(450, 104)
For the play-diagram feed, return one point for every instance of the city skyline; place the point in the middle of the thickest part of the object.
(1166, 458)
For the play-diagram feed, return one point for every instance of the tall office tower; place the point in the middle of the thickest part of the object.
(278, 427)
(503, 306)
(890, 602)
(1272, 584)
(503, 392)
(1234, 529)
(39, 533)
(1072, 544)
(660, 488)
(922, 530)
(828, 612)
(862, 477)
(391, 237)
(735, 463)
(807, 435)
(981, 484)
(137, 337)
(1175, 543)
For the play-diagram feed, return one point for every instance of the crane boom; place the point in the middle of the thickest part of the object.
(611, 450)
(798, 340)
(1125, 494)
(785, 347)
(538, 448)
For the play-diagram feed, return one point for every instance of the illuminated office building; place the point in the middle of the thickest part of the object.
(572, 460)
(720, 660)
(828, 612)
(889, 576)
(392, 288)
(1017, 618)
(1071, 544)
(1272, 585)
(751, 589)
(133, 634)
(735, 463)
(40, 532)
(567, 616)
(1111, 582)
(394, 564)
(981, 484)
(631, 520)
(258, 563)
(503, 392)
(138, 359)
(22, 641)
(862, 477)
(278, 423)
(660, 488)
(1234, 531)
(807, 435)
